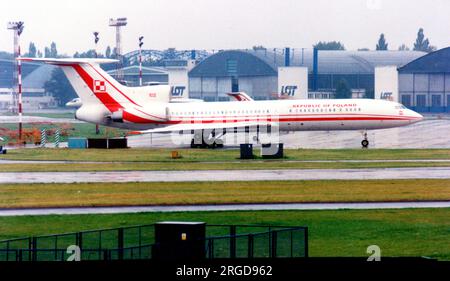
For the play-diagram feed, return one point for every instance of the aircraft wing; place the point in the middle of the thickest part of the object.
(209, 126)
(240, 96)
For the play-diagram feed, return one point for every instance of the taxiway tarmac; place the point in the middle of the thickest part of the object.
(231, 207)
(430, 133)
(227, 175)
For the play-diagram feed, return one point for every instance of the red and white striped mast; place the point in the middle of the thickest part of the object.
(140, 59)
(96, 38)
(17, 27)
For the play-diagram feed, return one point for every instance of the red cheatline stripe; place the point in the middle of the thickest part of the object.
(306, 118)
(299, 119)
(136, 119)
(299, 115)
(154, 116)
(283, 120)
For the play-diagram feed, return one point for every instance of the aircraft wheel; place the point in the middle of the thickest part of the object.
(365, 143)
(212, 145)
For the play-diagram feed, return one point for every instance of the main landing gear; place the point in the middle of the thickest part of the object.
(207, 139)
(365, 141)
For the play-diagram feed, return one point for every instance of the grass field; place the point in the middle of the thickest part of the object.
(192, 193)
(218, 155)
(225, 159)
(343, 233)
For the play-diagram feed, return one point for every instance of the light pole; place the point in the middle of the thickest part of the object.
(118, 23)
(140, 59)
(96, 38)
(17, 27)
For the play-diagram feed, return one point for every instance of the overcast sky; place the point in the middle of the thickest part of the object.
(225, 24)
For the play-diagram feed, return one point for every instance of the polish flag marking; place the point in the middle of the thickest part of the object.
(99, 86)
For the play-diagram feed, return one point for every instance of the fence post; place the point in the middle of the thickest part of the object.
(7, 251)
(33, 249)
(233, 241)
(250, 246)
(273, 250)
(120, 243)
(79, 239)
(211, 248)
(19, 257)
(306, 242)
(30, 247)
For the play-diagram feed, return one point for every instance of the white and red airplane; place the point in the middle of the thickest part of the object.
(151, 110)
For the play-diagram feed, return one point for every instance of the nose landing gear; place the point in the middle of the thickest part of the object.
(365, 141)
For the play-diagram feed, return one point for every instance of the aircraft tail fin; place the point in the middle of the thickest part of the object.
(95, 86)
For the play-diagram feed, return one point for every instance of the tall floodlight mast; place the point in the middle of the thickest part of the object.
(140, 59)
(118, 23)
(17, 27)
(96, 38)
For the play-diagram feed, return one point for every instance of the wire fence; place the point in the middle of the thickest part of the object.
(138, 242)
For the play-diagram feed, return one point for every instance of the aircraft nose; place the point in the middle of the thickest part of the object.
(417, 116)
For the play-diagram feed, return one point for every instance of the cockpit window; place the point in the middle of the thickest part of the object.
(400, 106)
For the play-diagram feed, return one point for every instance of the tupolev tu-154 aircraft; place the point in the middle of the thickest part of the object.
(149, 109)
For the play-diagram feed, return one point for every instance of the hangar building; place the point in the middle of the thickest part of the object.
(257, 71)
(34, 95)
(424, 83)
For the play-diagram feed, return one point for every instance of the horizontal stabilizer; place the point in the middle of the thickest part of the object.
(69, 60)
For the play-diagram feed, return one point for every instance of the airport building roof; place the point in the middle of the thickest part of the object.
(133, 70)
(39, 76)
(266, 62)
(7, 70)
(222, 64)
(435, 62)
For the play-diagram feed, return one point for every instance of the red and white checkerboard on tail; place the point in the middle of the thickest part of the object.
(99, 86)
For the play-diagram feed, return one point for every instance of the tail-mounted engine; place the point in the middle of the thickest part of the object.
(155, 114)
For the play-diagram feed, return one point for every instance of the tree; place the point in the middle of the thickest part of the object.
(5, 55)
(108, 52)
(114, 53)
(32, 51)
(170, 54)
(333, 45)
(343, 90)
(421, 44)
(382, 45)
(53, 51)
(39, 54)
(403, 47)
(59, 87)
(364, 49)
(259, 48)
